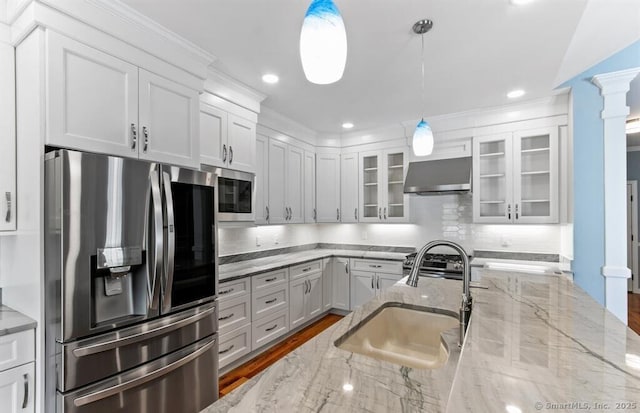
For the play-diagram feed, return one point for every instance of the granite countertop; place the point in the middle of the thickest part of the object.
(247, 268)
(12, 321)
(535, 342)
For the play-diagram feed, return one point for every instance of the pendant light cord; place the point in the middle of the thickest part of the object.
(422, 54)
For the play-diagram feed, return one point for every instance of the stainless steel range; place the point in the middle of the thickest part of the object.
(436, 265)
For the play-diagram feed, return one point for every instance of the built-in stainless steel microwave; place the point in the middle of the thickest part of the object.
(236, 195)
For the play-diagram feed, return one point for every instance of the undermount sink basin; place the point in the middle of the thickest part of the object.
(402, 334)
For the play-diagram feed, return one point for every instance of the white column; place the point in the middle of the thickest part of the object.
(613, 88)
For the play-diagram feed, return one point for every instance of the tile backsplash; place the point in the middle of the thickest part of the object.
(432, 217)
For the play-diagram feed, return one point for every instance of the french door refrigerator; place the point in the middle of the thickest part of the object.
(131, 284)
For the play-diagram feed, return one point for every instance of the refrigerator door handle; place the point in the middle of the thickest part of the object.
(158, 241)
(110, 391)
(171, 244)
(142, 335)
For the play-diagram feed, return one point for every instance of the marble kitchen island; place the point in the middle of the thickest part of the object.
(535, 343)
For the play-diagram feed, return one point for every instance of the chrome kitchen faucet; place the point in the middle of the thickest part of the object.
(465, 307)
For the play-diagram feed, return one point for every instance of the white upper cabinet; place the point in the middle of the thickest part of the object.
(99, 103)
(328, 187)
(309, 187)
(262, 179)
(226, 139)
(349, 187)
(92, 99)
(242, 144)
(294, 179)
(7, 139)
(516, 177)
(381, 180)
(277, 182)
(168, 119)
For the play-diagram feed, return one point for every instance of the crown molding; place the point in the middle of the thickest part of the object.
(231, 89)
(287, 126)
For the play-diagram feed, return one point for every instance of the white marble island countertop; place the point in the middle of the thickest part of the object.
(535, 343)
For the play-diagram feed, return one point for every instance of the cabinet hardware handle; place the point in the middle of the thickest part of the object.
(290, 213)
(134, 137)
(306, 269)
(7, 196)
(372, 282)
(385, 213)
(224, 152)
(346, 267)
(267, 217)
(308, 284)
(337, 214)
(230, 154)
(375, 266)
(226, 317)
(509, 211)
(379, 213)
(226, 291)
(378, 282)
(226, 350)
(25, 399)
(271, 328)
(355, 213)
(268, 280)
(516, 211)
(271, 301)
(315, 214)
(145, 133)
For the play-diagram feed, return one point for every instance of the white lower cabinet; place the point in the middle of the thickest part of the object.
(341, 285)
(17, 372)
(234, 320)
(234, 345)
(370, 277)
(305, 299)
(327, 284)
(269, 328)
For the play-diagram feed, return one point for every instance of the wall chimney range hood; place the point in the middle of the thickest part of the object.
(441, 176)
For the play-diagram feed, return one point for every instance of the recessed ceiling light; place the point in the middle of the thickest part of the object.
(270, 78)
(347, 125)
(520, 2)
(515, 93)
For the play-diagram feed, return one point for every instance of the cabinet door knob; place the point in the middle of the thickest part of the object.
(145, 133)
(224, 152)
(134, 137)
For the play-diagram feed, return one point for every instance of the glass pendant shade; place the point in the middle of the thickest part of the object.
(323, 43)
(422, 139)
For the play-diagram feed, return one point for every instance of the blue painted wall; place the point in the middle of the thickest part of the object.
(588, 171)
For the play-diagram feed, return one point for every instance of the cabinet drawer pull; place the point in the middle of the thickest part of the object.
(145, 133)
(268, 280)
(271, 301)
(226, 350)
(7, 196)
(375, 266)
(271, 328)
(226, 291)
(25, 399)
(226, 317)
(306, 269)
(134, 136)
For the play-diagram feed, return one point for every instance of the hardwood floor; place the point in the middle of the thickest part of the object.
(243, 373)
(634, 312)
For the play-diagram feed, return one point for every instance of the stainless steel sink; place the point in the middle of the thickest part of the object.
(403, 334)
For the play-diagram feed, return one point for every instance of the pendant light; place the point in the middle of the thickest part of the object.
(323, 43)
(423, 135)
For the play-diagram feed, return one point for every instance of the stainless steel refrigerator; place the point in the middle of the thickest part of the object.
(131, 284)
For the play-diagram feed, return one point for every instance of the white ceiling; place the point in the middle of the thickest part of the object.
(477, 51)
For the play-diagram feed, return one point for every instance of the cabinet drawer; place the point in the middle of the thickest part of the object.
(305, 269)
(266, 302)
(17, 389)
(234, 345)
(231, 289)
(16, 349)
(390, 267)
(269, 328)
(269, 279)
(234, 313)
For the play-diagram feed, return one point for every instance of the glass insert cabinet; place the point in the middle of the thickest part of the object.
(515, 177)
(381, 196)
